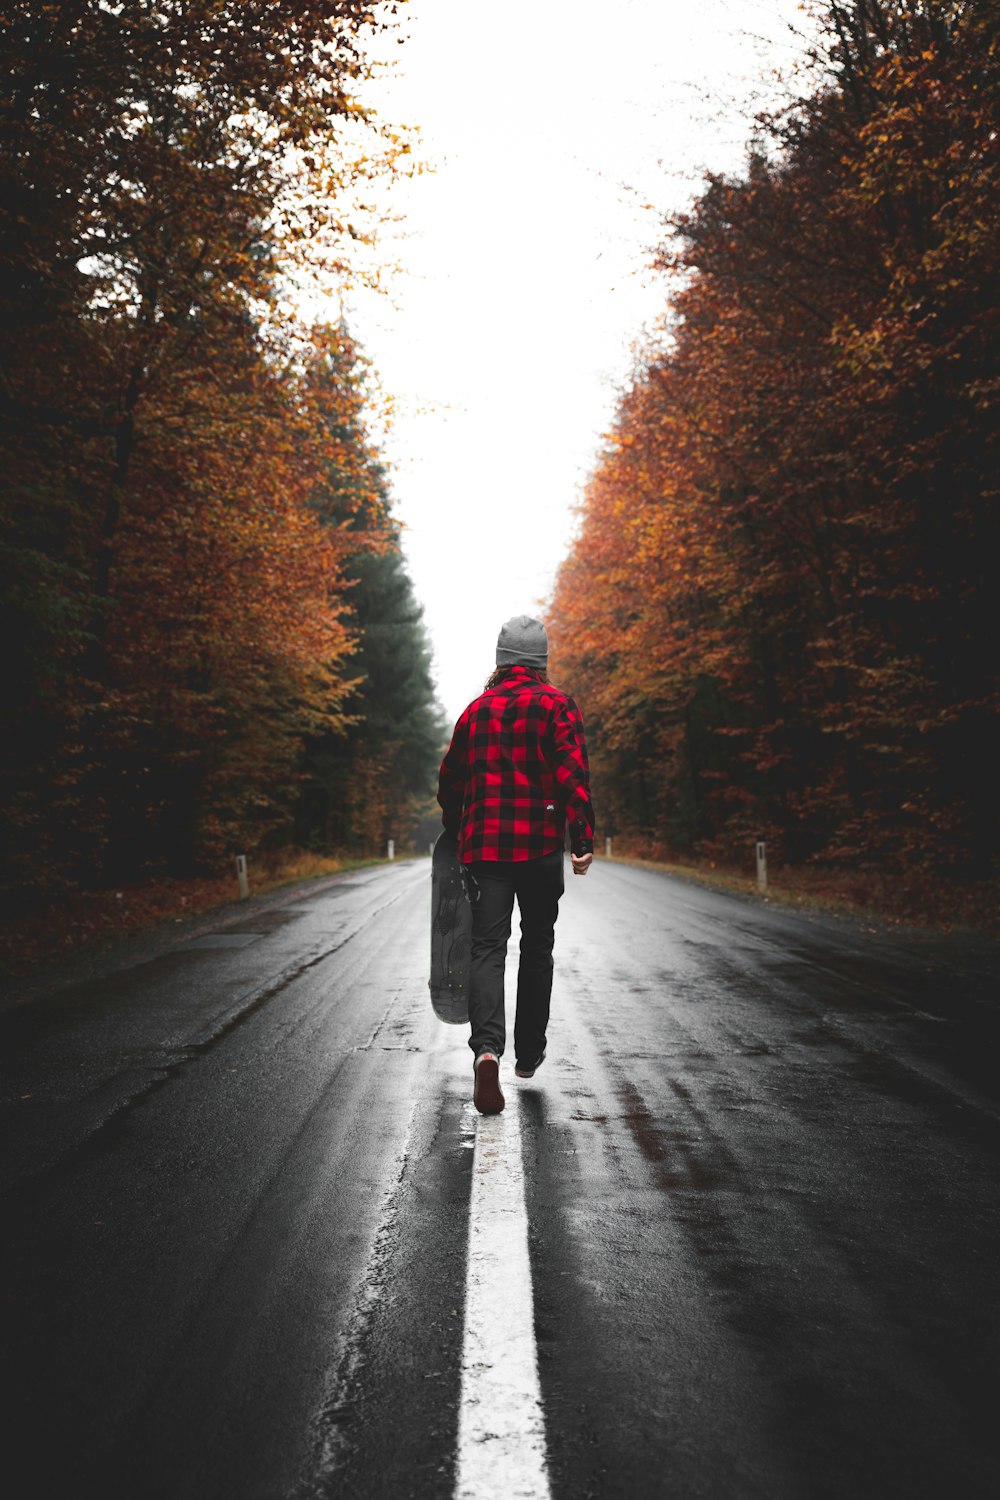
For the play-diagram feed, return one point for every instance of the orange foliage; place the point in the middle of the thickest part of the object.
(777, 605)
(175, 606)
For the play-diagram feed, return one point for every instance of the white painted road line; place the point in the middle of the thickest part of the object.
(501, 1434)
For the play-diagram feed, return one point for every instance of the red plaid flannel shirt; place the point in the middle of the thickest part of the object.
(516, 773)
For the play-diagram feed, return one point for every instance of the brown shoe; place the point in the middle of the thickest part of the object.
(486, 1095)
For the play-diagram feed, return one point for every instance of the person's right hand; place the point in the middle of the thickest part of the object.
(581, 863)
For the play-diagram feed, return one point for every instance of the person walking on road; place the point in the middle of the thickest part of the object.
(514, 776)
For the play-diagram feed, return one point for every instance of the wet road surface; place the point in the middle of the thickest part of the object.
(759, 1171)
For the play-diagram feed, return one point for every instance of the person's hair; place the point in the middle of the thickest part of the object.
(499, 673)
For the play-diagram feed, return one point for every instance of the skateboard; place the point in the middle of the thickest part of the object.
(451, 934)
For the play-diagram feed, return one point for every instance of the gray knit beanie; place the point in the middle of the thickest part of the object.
(523, 641)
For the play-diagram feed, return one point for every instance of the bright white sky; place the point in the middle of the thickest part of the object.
(549, 124)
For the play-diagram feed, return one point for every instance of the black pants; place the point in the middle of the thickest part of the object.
(537, 884)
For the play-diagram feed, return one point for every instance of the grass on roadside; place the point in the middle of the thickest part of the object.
(915, 900)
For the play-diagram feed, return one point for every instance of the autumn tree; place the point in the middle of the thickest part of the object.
(790, 543)
(173, 607)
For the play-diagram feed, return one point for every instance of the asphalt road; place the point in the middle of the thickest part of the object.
(760, 1170)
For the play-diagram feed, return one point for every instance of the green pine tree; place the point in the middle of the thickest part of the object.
(366, 786)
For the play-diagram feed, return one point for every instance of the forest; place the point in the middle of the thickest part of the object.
(211, 642)
(780, 609)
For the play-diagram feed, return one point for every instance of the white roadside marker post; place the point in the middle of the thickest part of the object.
(761, 865)
(391, 847)
(607, 848)
(241, 876)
